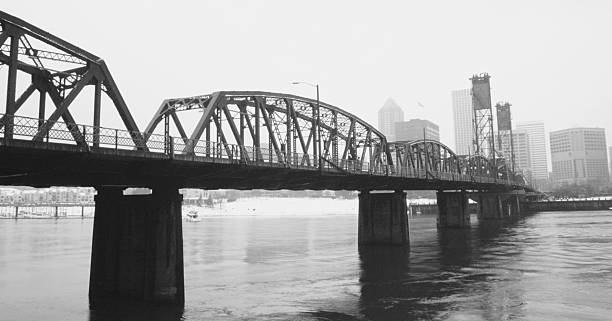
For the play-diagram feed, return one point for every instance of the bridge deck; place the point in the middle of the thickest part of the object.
(57, 160)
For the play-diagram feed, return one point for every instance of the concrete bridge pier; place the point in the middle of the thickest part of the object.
(383, 218)
(137, 247)
(453, 209)
(498, 206)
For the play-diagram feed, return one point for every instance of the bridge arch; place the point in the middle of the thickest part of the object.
(428, 157)
(266, 127)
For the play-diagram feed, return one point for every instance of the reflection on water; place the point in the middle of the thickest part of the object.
(550, 266)
(117, 310)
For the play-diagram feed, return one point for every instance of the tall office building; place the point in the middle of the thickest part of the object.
(416, 129)
(579, 156)
(537, 149)
(522, 161)
(463, 115)
(610, 161)
(388, 115)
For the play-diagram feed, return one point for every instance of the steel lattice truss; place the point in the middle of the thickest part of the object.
(484, 141)
(231, 127)
(60, 71)
(282, 128)
(435, 160)
(263, 127)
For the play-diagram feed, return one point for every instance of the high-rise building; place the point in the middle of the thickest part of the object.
(463, 115)
(610, 161)
(537, 149)
(388, 115)
(579, 156)
(416, 129)
(522, 161)
(522, 157)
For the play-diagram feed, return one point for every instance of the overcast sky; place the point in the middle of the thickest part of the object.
(552, 60)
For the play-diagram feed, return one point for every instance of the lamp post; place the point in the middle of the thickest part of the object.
(318, 120)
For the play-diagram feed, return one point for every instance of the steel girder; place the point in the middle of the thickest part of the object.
(272, 127)
(59, 70)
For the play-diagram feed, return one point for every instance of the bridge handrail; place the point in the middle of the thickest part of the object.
(26, 128)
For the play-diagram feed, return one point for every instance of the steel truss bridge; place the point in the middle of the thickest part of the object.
(228, 139)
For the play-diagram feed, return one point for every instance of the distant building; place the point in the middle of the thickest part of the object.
(537, 150)
(522, 157)
(463, 116)
(522, 160)
(416, 129)
(579, 156)
(388, 115)
(72, 195)
(610, 161)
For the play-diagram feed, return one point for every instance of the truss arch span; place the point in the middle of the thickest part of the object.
(256, 126)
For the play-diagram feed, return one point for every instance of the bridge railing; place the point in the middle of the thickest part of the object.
(90, 137)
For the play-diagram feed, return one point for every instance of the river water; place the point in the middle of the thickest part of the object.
(547, 266)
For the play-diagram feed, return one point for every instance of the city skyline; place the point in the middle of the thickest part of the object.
(416, 129)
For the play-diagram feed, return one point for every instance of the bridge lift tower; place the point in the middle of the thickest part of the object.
(484, 140)
(505, 139)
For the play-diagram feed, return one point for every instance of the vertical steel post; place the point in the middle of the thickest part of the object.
(96, 120)
(11, 86)
(41, 107)
(257, 130)
(242, 109)
(320, 160)
(289, 133)
(166, 134)
(207, 137)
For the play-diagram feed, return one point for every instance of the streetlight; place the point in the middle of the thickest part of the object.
(317, 139)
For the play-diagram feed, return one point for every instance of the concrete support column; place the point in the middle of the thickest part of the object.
(383, 218)
(137, 247)
(516, 200)
(512, 206)
(453, 209)
(491, 207)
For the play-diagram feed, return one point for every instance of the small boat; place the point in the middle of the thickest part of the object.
(192, 216)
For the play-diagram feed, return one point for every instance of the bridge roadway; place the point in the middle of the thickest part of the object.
(238, 139)
(59, 162)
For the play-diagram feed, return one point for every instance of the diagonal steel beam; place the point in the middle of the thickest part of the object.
(237, 136)
(19, 102)
(247, 120)
(62, 110)
(365, 144)
(115, 95)
(296, 125)
(67, 116)
(220, 133)
(204, 121)
(271, 134)
(3, 36)
(350, 135)
(179, 126)
(157, 117)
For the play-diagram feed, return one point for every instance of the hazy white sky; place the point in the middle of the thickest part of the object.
(551, 59)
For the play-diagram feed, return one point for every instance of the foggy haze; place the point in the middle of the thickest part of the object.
(549, 59)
